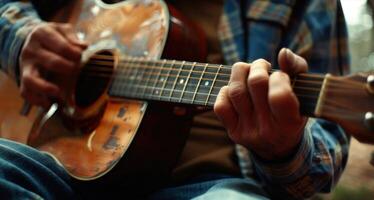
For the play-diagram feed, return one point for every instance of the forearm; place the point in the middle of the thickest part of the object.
(315, 167)
(17, 20)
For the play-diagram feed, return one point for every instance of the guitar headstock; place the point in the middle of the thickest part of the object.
(349, 101)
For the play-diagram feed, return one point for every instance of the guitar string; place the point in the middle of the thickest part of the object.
(186, 63)
(154, 81)
(172, 91)
(205, 65)
(184, 70)
(189, 64)
(193, 64)
(300, 87)
(333, 111)
(174, 69)
(182, 76)
(211, 96)
(104, 69)
(336, 104)
(337, 85)
(180, 92)
(225, 81)
(162, 61)
(190, 71)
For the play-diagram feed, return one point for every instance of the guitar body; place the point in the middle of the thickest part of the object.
(115, 141)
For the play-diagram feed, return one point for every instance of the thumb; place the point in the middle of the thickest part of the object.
(291, 63)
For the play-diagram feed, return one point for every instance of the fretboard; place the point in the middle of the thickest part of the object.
(192, 83)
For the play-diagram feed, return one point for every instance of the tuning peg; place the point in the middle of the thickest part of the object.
(370, 83)
(369, 121)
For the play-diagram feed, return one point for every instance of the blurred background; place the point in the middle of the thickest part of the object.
(357, 181)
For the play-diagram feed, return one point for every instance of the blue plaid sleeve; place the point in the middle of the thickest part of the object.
(316, 30)
(17, 19)
(315, 167)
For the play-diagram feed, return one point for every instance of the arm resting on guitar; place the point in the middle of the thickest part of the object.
(315, 166)
(17, 19)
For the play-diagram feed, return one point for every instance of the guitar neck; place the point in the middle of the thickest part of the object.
(191, 82)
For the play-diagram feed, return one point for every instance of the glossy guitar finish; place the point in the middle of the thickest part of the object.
(94, 134)
(92, 138)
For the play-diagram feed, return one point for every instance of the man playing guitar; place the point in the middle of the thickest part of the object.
(268, 149)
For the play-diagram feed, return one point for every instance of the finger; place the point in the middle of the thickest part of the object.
(36, 99)
(69, 33)
(225, 111)
(258, 83)
(283, 102)
(237, 89)
(32, 83)
(52, 40)
(291, 63)
(49, 61)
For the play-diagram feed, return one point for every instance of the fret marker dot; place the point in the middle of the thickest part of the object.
(157, 92)
(162, 79)
(181, 81)
(206, 83)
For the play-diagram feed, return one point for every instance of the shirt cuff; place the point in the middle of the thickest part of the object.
(26, 26)
(292, 168)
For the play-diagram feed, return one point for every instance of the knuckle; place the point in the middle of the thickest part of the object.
(67, 27)
(57, 63)
(26, 79)
(238, 66)
(219, 108)
(279, 93)
(237, 91)
(62, 48)
(27, 52)
(257, 79)
(262, 61)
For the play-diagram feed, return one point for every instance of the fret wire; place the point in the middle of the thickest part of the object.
(128, 73)
(148, 79)
(175, 81)
(315, 88)
(306, 89)
(158, 76)
(144, 86)
(225, 80)
(201, 78)
(198, 84)
(166, 80)
(213, 84)
(295, 88)
(138, 77)
(316, 76)
(139, 60)
(185, 85)
(189, 63)
(176, 99)
(215, 80)
(228, 74)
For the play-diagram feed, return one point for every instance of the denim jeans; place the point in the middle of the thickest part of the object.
(26, 173)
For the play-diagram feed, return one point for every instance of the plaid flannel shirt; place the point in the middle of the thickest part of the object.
(251, 29)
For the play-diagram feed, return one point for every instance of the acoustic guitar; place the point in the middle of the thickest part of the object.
(105, 126)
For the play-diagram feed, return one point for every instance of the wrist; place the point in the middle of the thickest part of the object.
(286, 148)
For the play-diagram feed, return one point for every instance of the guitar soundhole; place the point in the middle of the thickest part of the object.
(94, 78)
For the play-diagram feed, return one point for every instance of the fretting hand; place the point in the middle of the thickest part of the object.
(51, 48)
(260, 111)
